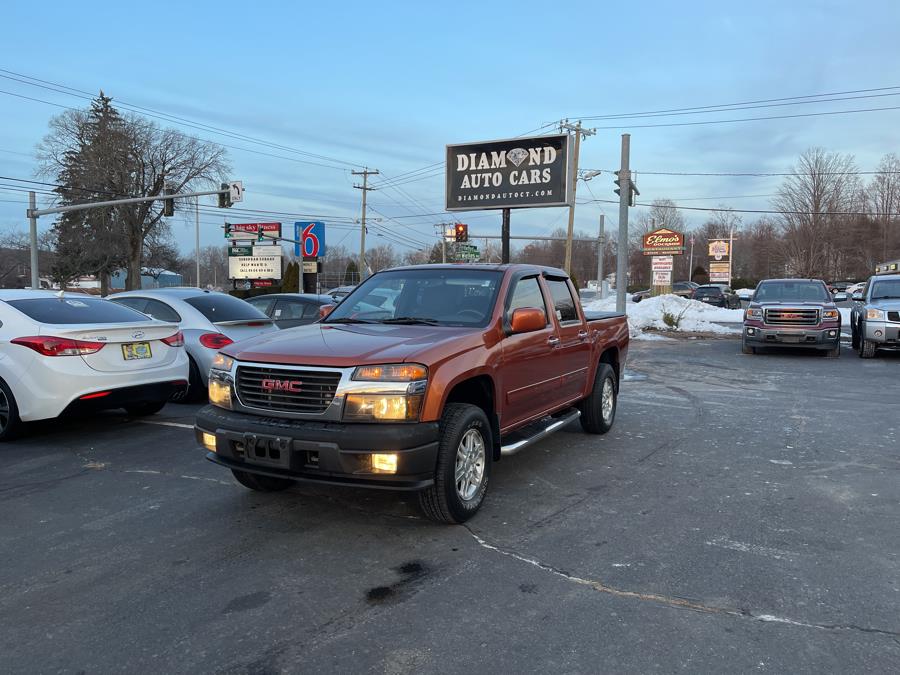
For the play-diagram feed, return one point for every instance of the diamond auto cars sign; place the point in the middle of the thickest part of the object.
(514, 173)
(663, 242)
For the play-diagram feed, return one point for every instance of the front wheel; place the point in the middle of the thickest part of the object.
(867, 348)
(261, 483)
(598, 410)
(834, 352)
(745, 348)
(854, 337)
(463, 465)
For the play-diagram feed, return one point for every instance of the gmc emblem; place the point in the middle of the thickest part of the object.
(282, 385)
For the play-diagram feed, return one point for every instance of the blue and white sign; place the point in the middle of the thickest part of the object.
(312, 235)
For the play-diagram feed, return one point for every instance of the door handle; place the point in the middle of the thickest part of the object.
(582, 334)
(553, 341)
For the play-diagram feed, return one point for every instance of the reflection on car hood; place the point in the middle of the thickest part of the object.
(343, 345)
(887, 305)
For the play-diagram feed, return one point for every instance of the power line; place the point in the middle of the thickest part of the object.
(752, 174)
(747, 105)
(760, 211)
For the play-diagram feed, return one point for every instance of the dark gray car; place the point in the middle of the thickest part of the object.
(291, 309)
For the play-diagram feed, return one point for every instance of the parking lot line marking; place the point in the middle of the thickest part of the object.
(177, 425)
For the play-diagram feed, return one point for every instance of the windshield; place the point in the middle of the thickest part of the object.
(886, 289)
(792, 291)
(434, 296)
(75, 310)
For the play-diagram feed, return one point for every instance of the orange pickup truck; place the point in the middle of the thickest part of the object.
(419, 380)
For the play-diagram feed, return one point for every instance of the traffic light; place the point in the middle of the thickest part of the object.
(228, 230)
(462, 232)
(224, 196)
(259, 233)
(168, 204)
(632, 190)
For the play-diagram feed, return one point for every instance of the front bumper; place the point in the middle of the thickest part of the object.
(817, 338)
(884, 333)
(323, 452)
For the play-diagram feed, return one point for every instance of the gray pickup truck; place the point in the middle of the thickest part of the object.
(875, 318)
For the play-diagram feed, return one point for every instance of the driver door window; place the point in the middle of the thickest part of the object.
(527, 293)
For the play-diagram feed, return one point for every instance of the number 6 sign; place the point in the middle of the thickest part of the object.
(309, 239)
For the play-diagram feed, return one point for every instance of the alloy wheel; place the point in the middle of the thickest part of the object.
(470, 461)
(607, 400)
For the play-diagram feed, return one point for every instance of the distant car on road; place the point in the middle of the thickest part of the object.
(684, 289)
(339, 293)
(588, 295)
(209, 321)
(792, 313)
(875, 317)
(288, 310)
(72, 354)
(719, 295)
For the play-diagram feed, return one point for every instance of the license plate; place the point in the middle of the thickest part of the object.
(136, 350)
(790, 338)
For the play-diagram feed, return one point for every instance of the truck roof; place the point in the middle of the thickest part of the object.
(501, 267)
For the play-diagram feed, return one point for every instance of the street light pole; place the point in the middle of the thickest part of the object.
(32, 218)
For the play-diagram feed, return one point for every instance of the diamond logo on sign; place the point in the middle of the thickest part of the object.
(516, 155)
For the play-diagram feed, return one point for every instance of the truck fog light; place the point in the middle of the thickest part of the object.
(751, 331)
(878, 333)
(209, 441)
(832, 333)
(385, 463)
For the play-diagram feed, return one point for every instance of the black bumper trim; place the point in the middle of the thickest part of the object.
(127, 396)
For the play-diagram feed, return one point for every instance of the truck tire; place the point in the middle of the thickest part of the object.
(598, 410)
(10, 424)
(854, 337)
(144, 409)
(834, 352)
(260, 483)
(747, 349)
(463, 465)
(867, 349)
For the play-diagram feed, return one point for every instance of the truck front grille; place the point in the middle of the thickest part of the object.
(792, 317)
(894, 316)
(282, 390)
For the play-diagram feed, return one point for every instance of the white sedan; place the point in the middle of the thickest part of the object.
(70, 353)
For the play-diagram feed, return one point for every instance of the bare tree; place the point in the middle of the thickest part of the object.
(884, 203)
(381, 257)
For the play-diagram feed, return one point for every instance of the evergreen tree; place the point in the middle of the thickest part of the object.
(351, 274)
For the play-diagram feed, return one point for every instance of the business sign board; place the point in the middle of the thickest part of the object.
(662, 263)
(311, 237)
(663, 242)
(719, 249)
(662, 277)
(268, 250)
(310, 266)
(719, 273)
(241, 230)
(509, 174)
(240, 250)
(254, 267)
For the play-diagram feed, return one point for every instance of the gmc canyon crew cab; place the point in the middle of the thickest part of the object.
(466, 364)
(792, 313)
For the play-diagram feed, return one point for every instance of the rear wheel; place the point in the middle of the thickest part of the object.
(10, 424)
(144, 409)
(260, 483)
(598, 410)
(195, 391)
(463, 465)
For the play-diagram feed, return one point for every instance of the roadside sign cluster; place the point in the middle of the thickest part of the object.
(663, 244)
(720, 261)
(255, 252)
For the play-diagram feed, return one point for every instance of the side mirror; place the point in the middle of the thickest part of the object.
(857, 297)
(527, 320)
(325, 310)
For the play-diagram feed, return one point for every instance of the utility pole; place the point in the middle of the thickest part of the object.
(32, 206)
(691, 264)
(626, 191)
(600, 255)
(365, 173)
(579, 132)
(442, 231)
(504, 237)
(197, 235)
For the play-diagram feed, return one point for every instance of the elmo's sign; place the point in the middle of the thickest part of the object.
(663, 242)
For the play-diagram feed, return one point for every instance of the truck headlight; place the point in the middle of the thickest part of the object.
(220, 389)
(382, 407)
(876, 314)
(831, 314)
(754, 314)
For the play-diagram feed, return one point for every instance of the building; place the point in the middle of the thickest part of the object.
(150, 278)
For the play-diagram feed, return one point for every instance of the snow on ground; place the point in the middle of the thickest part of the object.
(695, 317)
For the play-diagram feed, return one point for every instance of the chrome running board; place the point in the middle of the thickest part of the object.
(555, 424)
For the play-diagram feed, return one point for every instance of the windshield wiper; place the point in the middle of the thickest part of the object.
(412, 320)
(348, 319)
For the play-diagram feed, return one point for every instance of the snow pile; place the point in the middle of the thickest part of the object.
(692, 316)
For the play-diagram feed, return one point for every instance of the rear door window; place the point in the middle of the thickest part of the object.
(288, 310)
(563, 302)
(220, 307)
(76, 310)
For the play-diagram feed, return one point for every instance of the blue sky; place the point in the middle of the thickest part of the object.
(389, 84)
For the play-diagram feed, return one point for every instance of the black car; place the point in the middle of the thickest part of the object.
(685, 289)
(719, 295)
(291, 309)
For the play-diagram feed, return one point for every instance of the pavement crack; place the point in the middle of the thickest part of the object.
(671, 601)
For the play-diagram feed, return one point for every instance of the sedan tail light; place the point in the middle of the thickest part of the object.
(55, 346)
(176, 340)
(215, 340)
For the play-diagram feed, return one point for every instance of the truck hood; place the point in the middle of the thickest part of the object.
(822, 305)
(343, 345)
(891, 305)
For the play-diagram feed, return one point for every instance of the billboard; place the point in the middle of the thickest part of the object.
(250, 230)
(719, 272)
(254, 267)
(309, 239)
(719, 249)
(509, 174)
(663, 242)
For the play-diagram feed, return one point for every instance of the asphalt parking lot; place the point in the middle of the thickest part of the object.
(741, 516)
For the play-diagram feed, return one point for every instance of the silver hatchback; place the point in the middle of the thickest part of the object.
(209, 321)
